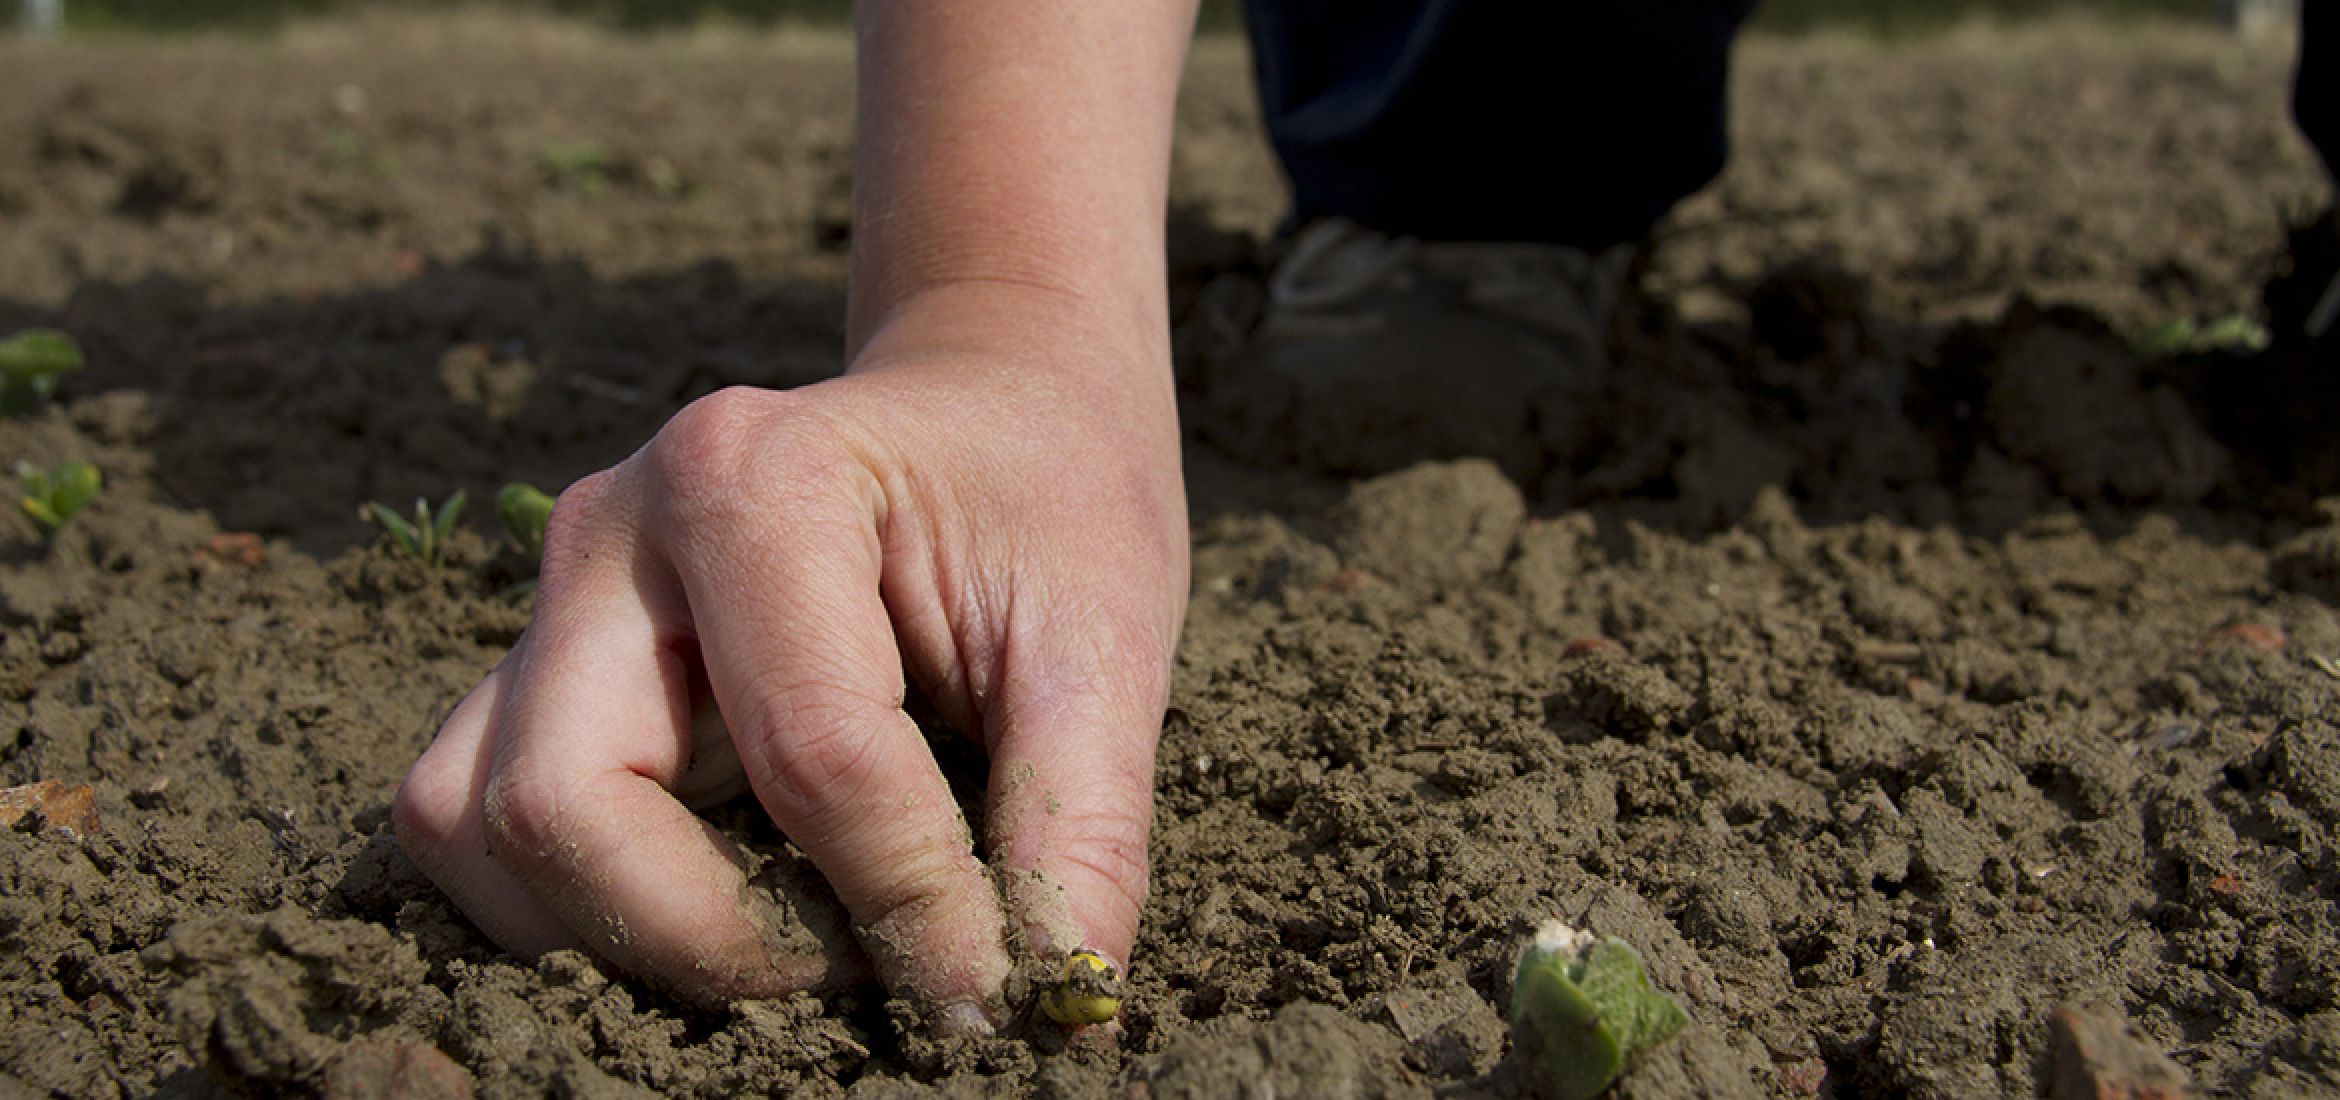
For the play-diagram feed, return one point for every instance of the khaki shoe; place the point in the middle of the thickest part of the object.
(1373, 352)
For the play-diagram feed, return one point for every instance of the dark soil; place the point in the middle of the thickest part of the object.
(1906, 665)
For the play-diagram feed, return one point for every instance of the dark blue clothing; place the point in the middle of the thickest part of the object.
(2316, 99)
(1558, 120)
(1577, 122)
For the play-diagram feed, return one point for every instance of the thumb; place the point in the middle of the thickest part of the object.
(1072, 790)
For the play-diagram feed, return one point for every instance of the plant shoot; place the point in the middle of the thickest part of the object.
(1581, 1009)
(31, 362)
(53, 496)
(525, 510)
(423, 538)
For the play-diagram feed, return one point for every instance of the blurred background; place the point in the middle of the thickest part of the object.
(1883, 15)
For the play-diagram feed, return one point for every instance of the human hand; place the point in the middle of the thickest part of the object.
(989, 513)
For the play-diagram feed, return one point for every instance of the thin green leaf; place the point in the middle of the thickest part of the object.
(444, 525)
(401, 532)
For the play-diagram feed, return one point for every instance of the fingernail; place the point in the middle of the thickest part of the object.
(964, 1020)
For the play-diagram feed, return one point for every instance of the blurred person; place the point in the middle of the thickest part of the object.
(988, 504)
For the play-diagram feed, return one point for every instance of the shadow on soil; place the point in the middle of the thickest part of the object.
(283, 418)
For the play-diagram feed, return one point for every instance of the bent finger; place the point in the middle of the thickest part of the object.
(1072, 784)
(593, 731)
(441, 828)
(803, 660)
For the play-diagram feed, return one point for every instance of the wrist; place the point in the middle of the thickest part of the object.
(1120, 341)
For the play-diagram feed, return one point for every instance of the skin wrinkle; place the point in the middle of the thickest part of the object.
(850, 813)
(1072, 816)
(1056, 841)
(529, 837)
(1070, 834)
(1028, 544)
(1130, 880)
(943, 647)
(512, 915)
(891, 939)
(782, 771)
(560, 846)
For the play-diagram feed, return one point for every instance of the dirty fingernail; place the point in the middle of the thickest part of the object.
(964, 1020)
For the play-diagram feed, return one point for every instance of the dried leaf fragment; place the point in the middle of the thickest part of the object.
(232, 548)
(2258, 636)
(69, 807)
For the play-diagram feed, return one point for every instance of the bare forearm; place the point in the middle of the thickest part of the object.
(1016, 148)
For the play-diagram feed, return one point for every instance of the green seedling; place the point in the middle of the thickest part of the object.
(31, 362)
(525, 510)
(2184, 335)
(1581, 1009)
(578, 167)
(53, 496)
(424, 537)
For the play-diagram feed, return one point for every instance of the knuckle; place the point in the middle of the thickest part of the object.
(813, 761)
(582, 509)
(745, 449)
(1109, 847)
(428, 810)
(705, 449)
(521, 814)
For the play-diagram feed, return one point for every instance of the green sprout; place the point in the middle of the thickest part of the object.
(525, 510)
(1581, 1009)
(578, 167)
(55, 495)
(31, 362)
(2184, 335)
(424, 537)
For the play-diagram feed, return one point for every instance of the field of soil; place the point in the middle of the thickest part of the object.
(1941, 693)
